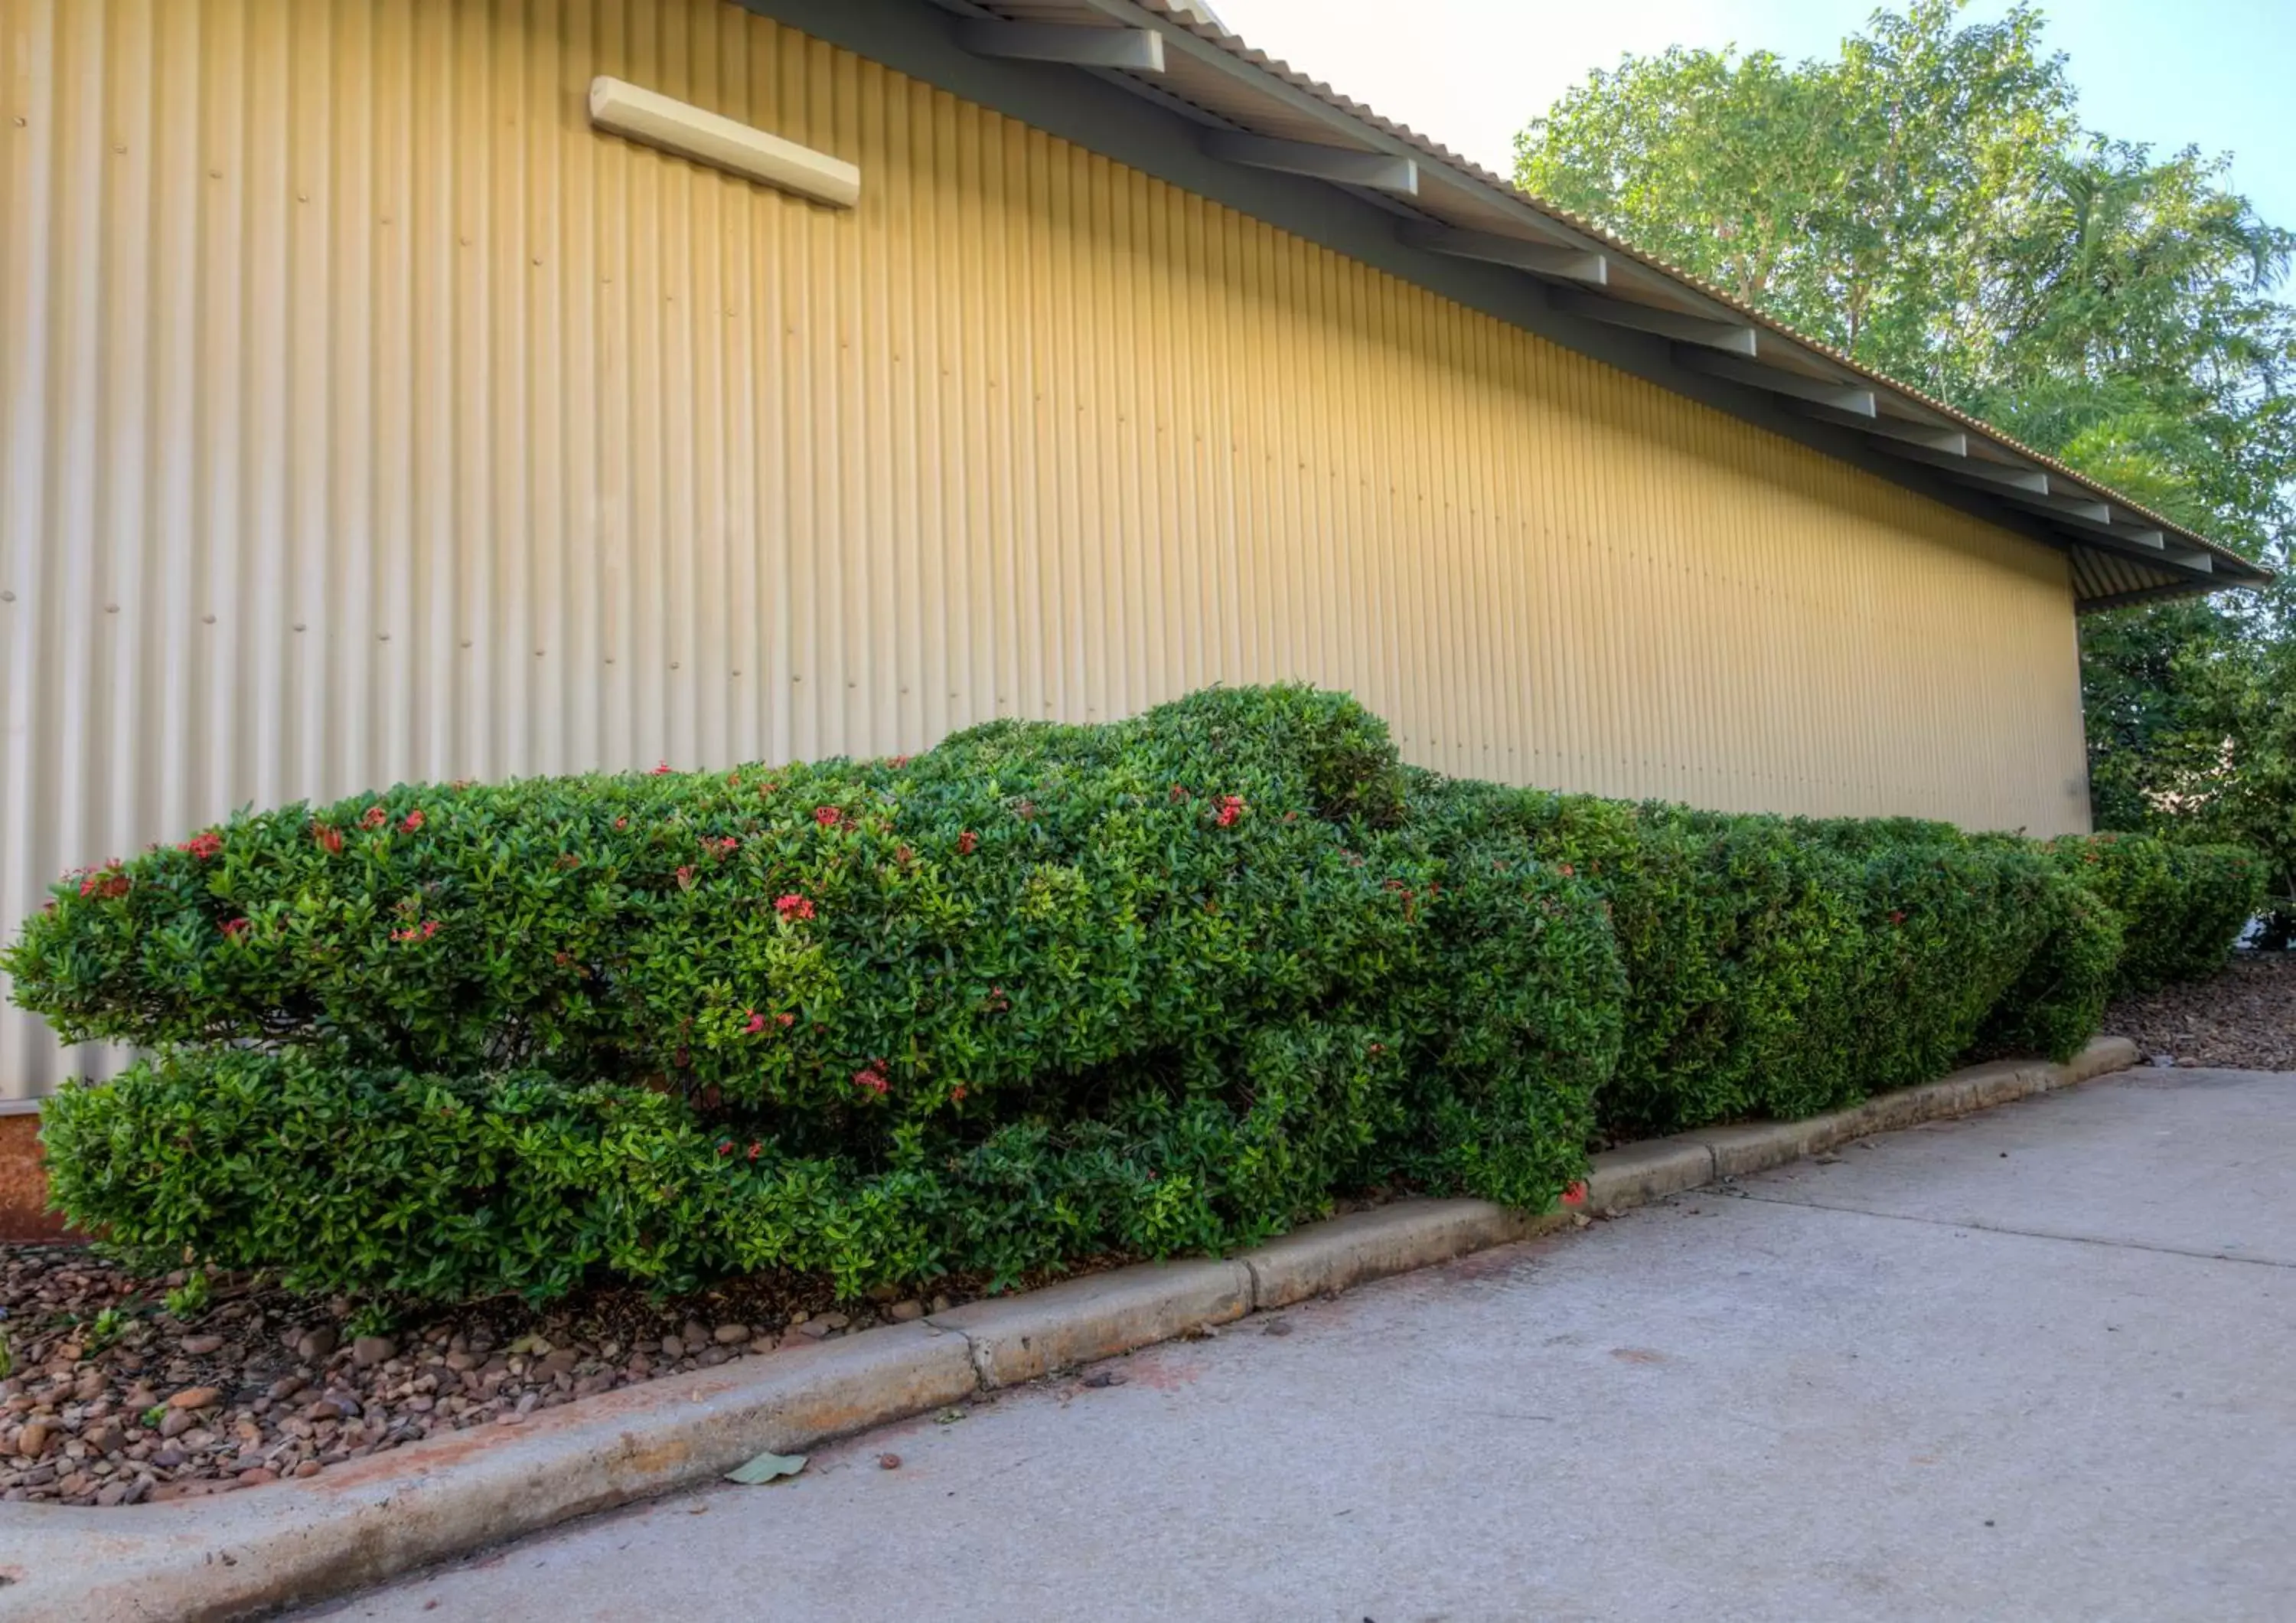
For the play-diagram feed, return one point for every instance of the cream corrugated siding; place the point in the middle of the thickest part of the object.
(364, 416)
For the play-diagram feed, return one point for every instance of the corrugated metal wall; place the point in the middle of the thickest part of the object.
(363, 416)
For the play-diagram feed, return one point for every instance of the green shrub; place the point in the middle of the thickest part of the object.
(1779, 968)
(1159, 986)
(2057, 1005)
(1165, 986)
(2182, 907)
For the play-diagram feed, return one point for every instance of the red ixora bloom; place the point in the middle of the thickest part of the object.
(375, 818)
(1179, 793)
(967, 842)
(898, 762)
(660, 769)
(725, 847)
(794, 907)
(756, 1022)
(413, 823)
(828, 817)
(787, 1020)
(956, 1094)
(1231, 807)
(685, 878)
(414, 932)
(726, 1148)
(1576, 1195)
(106, 884)
(622, 823)
(203, 845)
(756, 1150)
(873, 1080)
(1896, 918)
(330, 839)
(233, 929)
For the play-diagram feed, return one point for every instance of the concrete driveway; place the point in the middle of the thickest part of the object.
(2034, 1364)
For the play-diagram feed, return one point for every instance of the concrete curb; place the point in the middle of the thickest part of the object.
(362, 1523)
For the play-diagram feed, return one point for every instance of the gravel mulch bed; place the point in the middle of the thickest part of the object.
(115, 1400)
(2243, 1019)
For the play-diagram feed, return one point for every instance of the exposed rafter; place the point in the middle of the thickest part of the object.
(1850, 398)
(1139, 50)
(1730, 337)
(1980, 470)
(1340, 165)
(1941, 438)
(1539, 258)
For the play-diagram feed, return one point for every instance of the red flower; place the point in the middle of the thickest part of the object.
(106, 884)
(1179, 793)
(1231, 807)
(423, 932)
(1576, 1195)
(1896, 918)
(375, 818)
(203, 845)
(660, 769)
(828, 817)
(685, 878)
(898, 762)
(794, 907)
(233, 929)
(756, 1022)
(620, 823)
(568, 859)
(725, 847)
(967, 842)
(756, 1150)
(726, 1148)
(1567, 871)
(413, 823)
(956, 1094)
(873, 1080)
(787, 1020)
(330, 839)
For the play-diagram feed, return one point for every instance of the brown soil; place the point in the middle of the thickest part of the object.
(114, 1400)
(2243, 1019)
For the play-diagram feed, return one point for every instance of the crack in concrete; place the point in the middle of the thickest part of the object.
(1994, 1228)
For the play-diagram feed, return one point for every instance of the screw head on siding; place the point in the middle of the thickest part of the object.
(7, 597)
(210, 620)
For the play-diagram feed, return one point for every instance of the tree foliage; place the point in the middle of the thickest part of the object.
(1929, 203)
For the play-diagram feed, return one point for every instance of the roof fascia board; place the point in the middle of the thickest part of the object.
(918, 39)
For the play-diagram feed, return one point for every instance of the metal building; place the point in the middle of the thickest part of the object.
(384, 395)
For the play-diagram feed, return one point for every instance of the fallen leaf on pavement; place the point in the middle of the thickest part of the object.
(766, 1467)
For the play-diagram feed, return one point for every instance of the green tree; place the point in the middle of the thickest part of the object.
(1929, 204)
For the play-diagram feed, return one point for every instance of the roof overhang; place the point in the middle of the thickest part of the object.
(1160, 86)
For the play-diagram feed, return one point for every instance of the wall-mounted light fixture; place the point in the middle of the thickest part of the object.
(624, 109)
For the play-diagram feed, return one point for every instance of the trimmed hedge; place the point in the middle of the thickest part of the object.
(2185, 906)
(1159, 986)
(1165, 986)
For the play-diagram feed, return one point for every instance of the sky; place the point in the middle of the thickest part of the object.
(2214, 73)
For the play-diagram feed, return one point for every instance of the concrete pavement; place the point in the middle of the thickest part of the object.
(2031, 1364)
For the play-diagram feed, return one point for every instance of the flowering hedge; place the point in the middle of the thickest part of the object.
(1165, 986)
